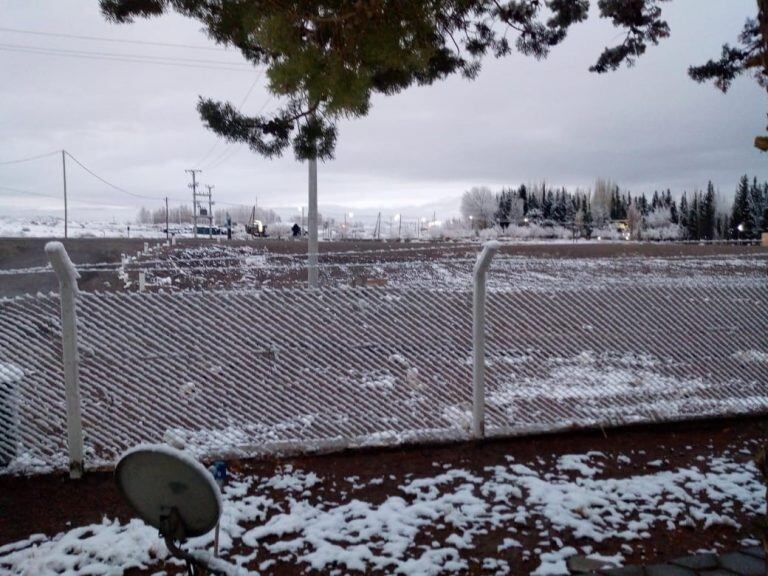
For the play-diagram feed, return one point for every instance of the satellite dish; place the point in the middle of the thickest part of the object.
(169, 490)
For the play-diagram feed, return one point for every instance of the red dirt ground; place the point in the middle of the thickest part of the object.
(51, 504)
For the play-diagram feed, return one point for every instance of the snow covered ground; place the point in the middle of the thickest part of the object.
(491, 520)
(437, 267)
(53, 227)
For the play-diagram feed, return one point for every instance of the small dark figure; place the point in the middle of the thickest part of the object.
(296, 229)
(129, 231)
(229, 227)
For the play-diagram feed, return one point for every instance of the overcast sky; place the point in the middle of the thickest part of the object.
(135, 124)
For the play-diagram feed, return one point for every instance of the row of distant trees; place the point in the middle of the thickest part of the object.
(183, 215)
(701, 215)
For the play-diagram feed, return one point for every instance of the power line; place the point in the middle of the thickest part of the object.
(140, 56)
(113, 40)
(224, 156)
(30, 192)
(30, 158)
(18, 191)
(100, 179)
(242, 103)
(108, 183)
(229, 67)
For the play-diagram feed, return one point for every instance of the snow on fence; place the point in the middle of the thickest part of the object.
(248, 373)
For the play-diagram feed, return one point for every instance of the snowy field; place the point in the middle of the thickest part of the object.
(53, 227)
(443, 267)
(494, 511)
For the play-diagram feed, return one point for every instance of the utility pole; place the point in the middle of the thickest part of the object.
(64, 172)
(210, 211)
(167, 228)
(194, 173)
(312, 272)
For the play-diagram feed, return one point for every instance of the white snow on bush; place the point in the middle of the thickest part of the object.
(283, 516)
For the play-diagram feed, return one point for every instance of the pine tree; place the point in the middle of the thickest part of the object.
(547, 202)
(656, 202)
(559, 209)
(693, 218)
(522, 193)
(644, 205)
(533, 201)
(683, 216)
(503, 207)
(740, 210)
(708, 208)
(755, 209)
(588, 220)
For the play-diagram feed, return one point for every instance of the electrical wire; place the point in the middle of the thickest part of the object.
(113, 40)
(114, 186)
(233, 67)
(139, 56)
(118, 188)
(83, 203)
(223, 157)
(30, 158)
(30, 192)
(242, 103)
(100, 179)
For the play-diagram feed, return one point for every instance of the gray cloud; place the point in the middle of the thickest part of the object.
(520, 121)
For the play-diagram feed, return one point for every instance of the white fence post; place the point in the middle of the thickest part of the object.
(478, 338)
(67, 275)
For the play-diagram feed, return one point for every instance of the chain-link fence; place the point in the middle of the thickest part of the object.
(253, 372)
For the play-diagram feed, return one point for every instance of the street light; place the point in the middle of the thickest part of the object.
(740, 229)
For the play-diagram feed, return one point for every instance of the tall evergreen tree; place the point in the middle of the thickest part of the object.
(588, 220)
(683, 217)
(559, 209)
(674, 217)
(522, 193)
(755, 208)
(547, 202)
(533, 201)
(740, 210)
(707, 217)
(693, 218)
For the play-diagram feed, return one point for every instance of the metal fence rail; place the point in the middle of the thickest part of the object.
(248, 373)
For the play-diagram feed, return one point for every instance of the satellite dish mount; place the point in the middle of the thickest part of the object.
(170, 490)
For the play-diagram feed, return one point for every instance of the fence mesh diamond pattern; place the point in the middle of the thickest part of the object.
(255, 372)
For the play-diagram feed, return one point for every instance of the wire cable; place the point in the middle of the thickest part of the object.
(138, 56)
(233, 67)
(242, 103)
(223, 157)
(83, 203)
(114, 186)
(30, 158)
(113, 40)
